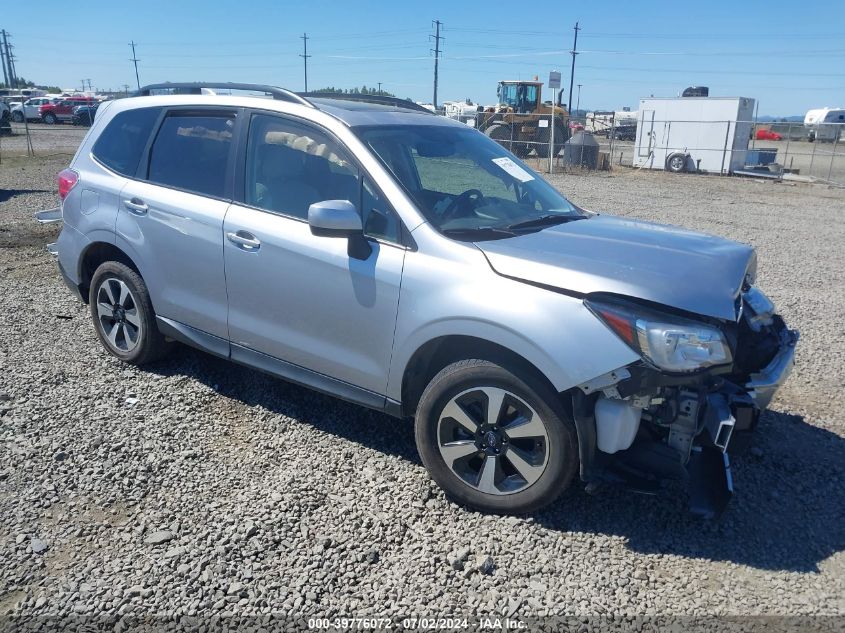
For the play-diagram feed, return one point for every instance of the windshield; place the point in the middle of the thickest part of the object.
(465, 184)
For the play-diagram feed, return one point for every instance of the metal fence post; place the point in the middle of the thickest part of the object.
(833, 153)
(30, 150)
(813, 155)
(610, 149)
(786, 151)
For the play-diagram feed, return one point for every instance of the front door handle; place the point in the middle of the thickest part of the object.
(136, 206)
(245, 240)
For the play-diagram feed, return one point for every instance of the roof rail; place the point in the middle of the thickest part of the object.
(396, 102)
(195, 88)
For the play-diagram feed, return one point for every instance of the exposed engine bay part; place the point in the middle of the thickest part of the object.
(647, 425)
(684, 427)
(617, 423)
(719, 421)
(606, 383)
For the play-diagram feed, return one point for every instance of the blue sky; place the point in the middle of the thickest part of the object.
(789, 59)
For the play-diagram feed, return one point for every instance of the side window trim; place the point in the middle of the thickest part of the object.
(401, 230)
(239, 185)
(143, 167)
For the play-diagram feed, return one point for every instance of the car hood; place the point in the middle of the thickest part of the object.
(664, 264)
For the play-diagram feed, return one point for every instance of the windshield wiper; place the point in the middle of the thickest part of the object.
(478, 232)
(543, 220)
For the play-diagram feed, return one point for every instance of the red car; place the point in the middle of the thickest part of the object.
(767, 135)
(62, 110)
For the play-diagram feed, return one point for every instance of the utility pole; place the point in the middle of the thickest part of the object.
(126, 89)
(578, 102)
(12, 58)
(8, 68)
(574, 52)
(379, 87)
(135, 61)
(89, 84)
(437, 38)
(305, 57)
(3, 61)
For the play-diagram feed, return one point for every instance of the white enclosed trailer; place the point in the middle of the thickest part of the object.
(709, 134)
(824, 124)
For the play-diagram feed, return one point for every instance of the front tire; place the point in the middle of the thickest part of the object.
(123, 315)
(50, 119)
(17, 117)
(494, 441)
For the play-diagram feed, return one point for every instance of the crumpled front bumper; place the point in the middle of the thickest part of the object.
(765, 383)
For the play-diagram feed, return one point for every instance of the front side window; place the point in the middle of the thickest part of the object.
(465, 184)
(290, 166)
(123, 140)
(191, 152)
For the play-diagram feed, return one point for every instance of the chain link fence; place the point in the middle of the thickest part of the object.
(39, 139)
(605, 142)
(775, 150)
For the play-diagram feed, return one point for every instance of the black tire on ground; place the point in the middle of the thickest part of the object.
(502, 134)
(17, 116)
(676, 163)
(558, 449)
(150, 345)
(50, 119)
(544, 140)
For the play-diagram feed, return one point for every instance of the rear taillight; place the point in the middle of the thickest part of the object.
(67, 179)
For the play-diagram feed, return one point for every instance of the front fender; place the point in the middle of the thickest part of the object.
(554, 332)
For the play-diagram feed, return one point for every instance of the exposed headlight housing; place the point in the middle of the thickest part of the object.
(671, 343)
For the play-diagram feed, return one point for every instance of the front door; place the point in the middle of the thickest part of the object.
(298, 297)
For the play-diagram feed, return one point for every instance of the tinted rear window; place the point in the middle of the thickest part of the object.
(122, 142)
(191, 152)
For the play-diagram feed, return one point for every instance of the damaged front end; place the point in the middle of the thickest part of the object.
(695, 396)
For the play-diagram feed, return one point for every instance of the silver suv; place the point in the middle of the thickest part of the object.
(405, 262)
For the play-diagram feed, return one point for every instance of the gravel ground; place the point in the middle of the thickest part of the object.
(195, 488)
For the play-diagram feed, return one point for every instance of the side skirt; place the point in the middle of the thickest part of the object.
(277, 367)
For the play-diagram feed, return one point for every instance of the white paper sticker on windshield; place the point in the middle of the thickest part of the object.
(513, 169)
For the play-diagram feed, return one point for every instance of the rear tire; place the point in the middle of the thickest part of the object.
(123, 315)
(50, 119)
(17, 117)
(513, 456)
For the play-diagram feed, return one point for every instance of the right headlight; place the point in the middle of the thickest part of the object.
(668, 342)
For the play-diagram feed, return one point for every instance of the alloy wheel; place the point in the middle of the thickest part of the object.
(117, 315)
(676, 163)
(493, 440)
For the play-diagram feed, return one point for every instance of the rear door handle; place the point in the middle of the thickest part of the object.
(136, 206)
(245, 240)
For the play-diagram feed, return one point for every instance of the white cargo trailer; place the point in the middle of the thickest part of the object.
(709, 134)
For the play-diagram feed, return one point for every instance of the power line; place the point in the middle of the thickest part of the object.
(135, 61)
(305, 57)
(437, 38)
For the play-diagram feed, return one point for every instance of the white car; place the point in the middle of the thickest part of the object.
(5, 128)
(30, 108)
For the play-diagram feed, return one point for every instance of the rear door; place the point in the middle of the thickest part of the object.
(171, 216)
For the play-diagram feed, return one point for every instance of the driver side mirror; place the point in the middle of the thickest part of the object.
(340, 218)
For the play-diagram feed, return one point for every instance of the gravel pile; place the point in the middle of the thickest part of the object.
(196, 488)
